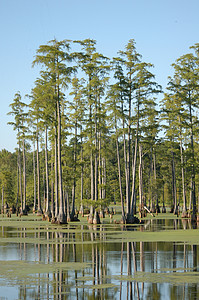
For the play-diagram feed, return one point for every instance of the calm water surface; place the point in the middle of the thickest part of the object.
(78, 261)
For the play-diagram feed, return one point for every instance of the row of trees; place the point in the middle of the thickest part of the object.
(101, 134)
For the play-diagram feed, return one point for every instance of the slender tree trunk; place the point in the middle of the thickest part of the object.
(17, 201)
(134, 160)
(155, 183)
(34, 179)
(183, 179)
(140, 179)
(82, 177)
(2, 200)
(44, 190)
(120, 179)
(52, 186)
(24, 178)
(47, 175)
(39, 211)
(103, 178)
(126, 171)
(133, 197)
(193, 167)
(128, 156)
(100, 168)
(62, 216)
(96, 156)
(56, 172)
(174, 185)
(91, 156)
(92, 182)
(20, 180)
(74, 174)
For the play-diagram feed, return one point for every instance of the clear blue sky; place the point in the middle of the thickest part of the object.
(163, 30)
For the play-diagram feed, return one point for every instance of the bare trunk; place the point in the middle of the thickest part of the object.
(39, 211)
(56, 173)
(52, 186)
(120, 180)
(100, 168)
(82, 175)
(140, 179)
(128, 158)
(126, 172)
(133, 193)
(62, 216)
(174, 185)
(2, 200)
(155, 182)
(24, 178)
(74, 175)
(96, 156)
(20, 181)
(103, 178)
(17, 201)
(92, 182)
(193, 194)
(34, 178)
(47, 177)
(183, 179)
(133, 204)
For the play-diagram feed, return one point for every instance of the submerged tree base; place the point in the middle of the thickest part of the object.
(39, 212)
(130, 219)
(94, 219)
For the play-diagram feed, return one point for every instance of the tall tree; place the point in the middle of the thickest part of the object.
(20, 116)
(54, 57)
(184, 88)
(95, 67)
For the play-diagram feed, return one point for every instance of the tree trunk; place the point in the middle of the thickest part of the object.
(2, 200)
(17, 201)
(56, 172)
(100, 168)
(92, 183)
(39, 211)
(128, 156)
(134, 160)
(193, 193)
(74, 176)
(103, 178)
(96, 156)
(62, 215)
(155, 182)
(20, 181)
(183, 180)
(140, 179)
(82, 178)
(24, 179)
(174, 185)
(34, 179)
(52, 187)
(47, 177)
(120, 179)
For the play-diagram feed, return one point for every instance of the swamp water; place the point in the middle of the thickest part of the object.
(155, 260)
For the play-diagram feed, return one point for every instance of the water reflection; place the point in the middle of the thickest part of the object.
(115, 270)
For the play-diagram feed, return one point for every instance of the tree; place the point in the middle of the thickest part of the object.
(184, 87)
(54, 57)
(20, 125)
(94, 65)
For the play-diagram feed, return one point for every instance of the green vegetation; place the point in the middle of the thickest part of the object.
(101, 136)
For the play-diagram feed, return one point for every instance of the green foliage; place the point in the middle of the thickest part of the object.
(103, 103)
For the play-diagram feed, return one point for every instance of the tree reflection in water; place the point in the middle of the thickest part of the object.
(116, 270)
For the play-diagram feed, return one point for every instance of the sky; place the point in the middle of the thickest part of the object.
(162, 29)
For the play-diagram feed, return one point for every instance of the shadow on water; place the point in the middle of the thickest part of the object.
(107, 261)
